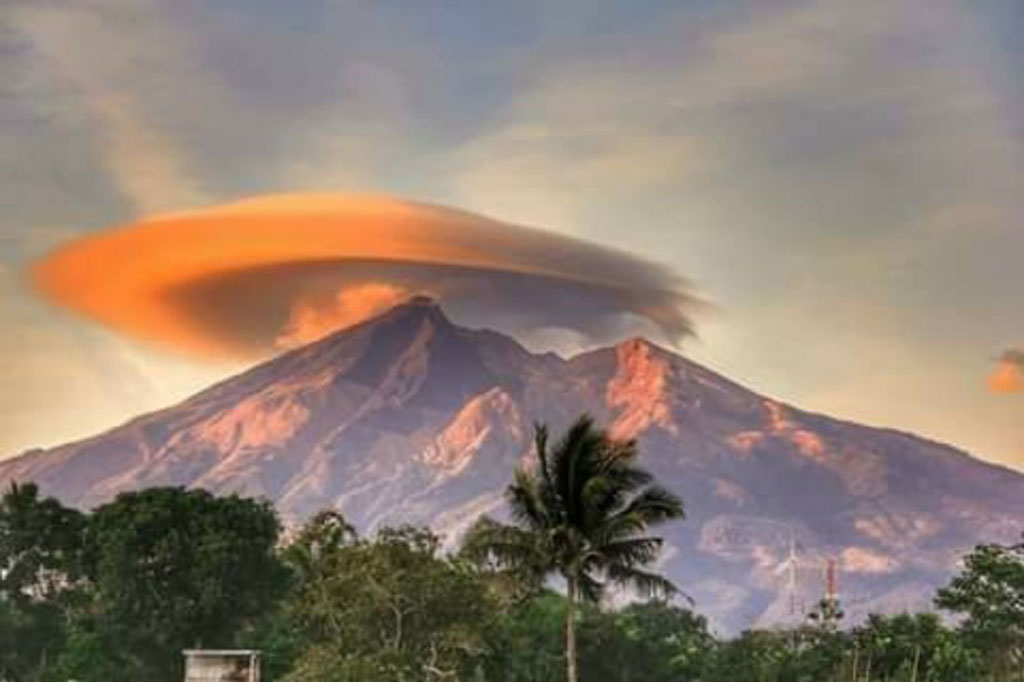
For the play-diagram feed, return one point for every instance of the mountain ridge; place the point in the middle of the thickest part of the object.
(410, 418)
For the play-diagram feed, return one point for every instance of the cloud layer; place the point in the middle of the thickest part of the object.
(243, 279)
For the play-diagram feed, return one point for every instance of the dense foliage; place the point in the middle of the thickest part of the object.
(392, 608)
(990, 594)
(40, 551)
(115, 595)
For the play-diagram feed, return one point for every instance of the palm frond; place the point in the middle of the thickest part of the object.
(654, 505)
(502, 545)
(647, 584)
(526, 500)
(613, 487)
(547, 491)
(572, 459)
(540, 446)
(632, 552)
(589, 588)
(622, 452)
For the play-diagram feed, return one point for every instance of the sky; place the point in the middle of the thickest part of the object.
(840, 181)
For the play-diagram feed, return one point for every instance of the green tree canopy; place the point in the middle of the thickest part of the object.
(649, 642)
(388, 608)
(174, 568)
(909, 647)
(643, 642)
(989, 593)
(40, 552)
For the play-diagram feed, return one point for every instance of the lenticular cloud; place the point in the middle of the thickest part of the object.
(247, 278)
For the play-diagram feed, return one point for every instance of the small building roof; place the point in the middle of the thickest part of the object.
(221, 652)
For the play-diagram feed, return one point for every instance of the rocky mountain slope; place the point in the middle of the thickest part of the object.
(410, 418)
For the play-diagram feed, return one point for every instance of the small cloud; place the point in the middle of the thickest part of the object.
(1009, 374)
(1014, 356)
(312, 319)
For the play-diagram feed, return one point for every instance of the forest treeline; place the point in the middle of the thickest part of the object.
(115, 595)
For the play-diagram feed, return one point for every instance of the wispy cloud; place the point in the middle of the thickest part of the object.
(96, 53)
(840, 175)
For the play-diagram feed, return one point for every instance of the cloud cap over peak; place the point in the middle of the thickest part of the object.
(245, 278)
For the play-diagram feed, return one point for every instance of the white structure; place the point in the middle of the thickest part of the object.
(223, 665)
(791, 566)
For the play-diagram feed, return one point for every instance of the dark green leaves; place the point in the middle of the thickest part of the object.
(388, 608)
(174, 568)
(989, 592)
(40, 558)
(582, 511)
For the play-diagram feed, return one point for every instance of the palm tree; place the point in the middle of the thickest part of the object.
(582, 512)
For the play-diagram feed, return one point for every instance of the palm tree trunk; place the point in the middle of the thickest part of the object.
(570, 634)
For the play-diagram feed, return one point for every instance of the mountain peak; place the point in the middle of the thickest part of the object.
(417, 352)
(422, 300)
(640, 345)
(638, 355)
(639, 387)
(419, 307)
(410, 315)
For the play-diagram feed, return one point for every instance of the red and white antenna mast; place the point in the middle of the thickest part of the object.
(831, 581)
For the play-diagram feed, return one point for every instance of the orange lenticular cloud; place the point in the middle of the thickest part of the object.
(247, 278)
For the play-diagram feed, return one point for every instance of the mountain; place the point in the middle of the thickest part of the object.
(410, 418)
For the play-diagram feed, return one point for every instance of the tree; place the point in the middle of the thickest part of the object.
(754, 656)
(908, 648)
(524, 643)
(650, 642)
(808, 653)
(88, 657)
(317, 558)
(388, 608)
(582, 513)
(989, 592)
(644, 642)
(174, 568)
(40, 545)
